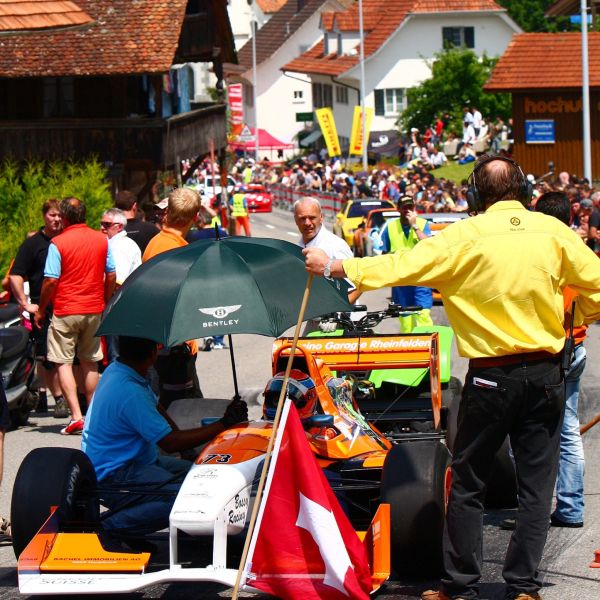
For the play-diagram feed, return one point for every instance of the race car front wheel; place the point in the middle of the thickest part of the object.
(47, 477)
(414, 483)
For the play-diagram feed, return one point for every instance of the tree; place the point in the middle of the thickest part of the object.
(457, 79)
(529, 14)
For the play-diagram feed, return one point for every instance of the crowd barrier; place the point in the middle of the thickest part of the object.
(285, 196)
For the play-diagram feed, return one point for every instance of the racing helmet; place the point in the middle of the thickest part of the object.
(301, 390)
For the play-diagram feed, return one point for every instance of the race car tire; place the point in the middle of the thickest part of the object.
(414, 484)
(62, 477)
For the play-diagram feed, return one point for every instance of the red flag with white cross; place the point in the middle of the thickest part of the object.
(303, 546)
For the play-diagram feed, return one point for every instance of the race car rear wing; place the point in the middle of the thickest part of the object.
(378, 352)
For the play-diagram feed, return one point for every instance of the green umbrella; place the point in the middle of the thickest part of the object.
(219, 287)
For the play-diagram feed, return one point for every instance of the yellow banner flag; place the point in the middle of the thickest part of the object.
(356, 139)
(327, 124)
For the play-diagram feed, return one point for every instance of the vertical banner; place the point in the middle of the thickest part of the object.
(356, 139)
(235, 97)
(327, 124)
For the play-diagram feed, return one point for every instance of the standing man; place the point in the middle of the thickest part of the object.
(309, 220)
(239, 212)
(501, 275)
(176, 367)
(29, 266)
(127, 256)
(125, 252)
(401, 235)
(571, 462)
(79, 278)
(141, 232)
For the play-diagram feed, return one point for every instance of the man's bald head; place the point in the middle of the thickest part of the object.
(498, 179)
(72, 211)
(309, 217)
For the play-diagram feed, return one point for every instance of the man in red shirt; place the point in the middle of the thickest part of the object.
(79, 277)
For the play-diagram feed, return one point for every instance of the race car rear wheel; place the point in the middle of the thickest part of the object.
(62, 477)
(414, 484)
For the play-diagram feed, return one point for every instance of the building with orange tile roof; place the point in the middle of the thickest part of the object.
(400, 37)
(543, 73)
(98, 77)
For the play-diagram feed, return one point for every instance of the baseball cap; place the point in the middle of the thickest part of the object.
(586, 203)
(162, 204)
(405, 200)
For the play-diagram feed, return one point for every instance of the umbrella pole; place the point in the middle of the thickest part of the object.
(265, 469)
(236, 394)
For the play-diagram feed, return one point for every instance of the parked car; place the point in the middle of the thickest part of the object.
(207, 189)
(352, 215)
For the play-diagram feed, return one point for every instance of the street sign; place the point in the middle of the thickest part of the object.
(245, 135)
(539, 131)
(304, 117)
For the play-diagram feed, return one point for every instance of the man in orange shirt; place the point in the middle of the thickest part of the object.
(176, 367)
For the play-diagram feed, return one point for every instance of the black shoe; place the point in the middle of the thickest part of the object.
(42, 403)
(508, 524)
(556, 522)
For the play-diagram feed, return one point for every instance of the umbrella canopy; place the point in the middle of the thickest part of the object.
(265, 142)
(219, 287)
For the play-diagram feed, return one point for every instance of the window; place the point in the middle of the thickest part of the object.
(298, 95)
(58, 97)
(390, 102)
(341, 94)
(458, 36)
(322, 95)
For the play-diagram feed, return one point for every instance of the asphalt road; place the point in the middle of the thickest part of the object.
(564, 568)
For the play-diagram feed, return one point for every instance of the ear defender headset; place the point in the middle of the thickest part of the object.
(476, 201)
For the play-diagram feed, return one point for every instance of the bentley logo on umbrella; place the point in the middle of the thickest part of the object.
(220, 312)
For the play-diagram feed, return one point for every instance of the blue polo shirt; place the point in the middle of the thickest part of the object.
(123, 424)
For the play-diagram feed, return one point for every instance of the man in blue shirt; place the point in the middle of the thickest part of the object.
(124, 429)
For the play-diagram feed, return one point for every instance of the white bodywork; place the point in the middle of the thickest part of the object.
(214, 500)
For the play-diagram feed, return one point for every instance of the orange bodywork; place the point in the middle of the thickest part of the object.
(377, 543)
(52, 551)
(367, 353)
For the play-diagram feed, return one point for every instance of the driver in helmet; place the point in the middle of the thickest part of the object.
(301, 390)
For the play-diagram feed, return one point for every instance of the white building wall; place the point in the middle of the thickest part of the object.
(277, 106)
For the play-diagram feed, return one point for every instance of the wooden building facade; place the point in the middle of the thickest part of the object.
(543, 73)
(115, 85)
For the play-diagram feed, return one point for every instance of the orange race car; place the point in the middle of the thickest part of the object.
(58, 537)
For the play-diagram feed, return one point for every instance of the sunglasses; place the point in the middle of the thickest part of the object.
(106, 224)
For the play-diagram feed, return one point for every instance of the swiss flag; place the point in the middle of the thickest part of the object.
(303, 546)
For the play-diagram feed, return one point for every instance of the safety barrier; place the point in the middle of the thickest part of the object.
(285, 196)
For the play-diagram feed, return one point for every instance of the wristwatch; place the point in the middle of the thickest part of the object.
(327, 269)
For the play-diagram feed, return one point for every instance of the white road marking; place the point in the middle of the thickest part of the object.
(292, 233)
(269, 226)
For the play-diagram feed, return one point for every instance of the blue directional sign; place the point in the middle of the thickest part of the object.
(539, 131)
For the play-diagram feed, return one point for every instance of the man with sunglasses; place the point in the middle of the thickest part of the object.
(126, 253)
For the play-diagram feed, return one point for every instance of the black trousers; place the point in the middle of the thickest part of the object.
(526, 402)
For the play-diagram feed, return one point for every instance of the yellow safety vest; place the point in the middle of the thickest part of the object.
(239, 209)
(398, 239)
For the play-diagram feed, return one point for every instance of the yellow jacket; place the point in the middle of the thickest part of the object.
(501, 276)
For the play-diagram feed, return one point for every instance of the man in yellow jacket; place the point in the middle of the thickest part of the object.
(501, 275)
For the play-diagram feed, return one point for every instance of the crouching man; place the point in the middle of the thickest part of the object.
(124, 429)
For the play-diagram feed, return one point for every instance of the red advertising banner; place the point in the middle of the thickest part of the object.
(235, 99)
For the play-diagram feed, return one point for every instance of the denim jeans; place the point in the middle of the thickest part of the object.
(571, 464)
(144, 513)
(525, 401)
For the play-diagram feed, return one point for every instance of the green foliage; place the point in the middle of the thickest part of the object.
(529, 15)
(457, 79)
(454, 172)
(23, 191)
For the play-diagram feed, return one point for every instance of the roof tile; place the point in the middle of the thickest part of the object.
(545, 61)
(125, 36)
(40, 14)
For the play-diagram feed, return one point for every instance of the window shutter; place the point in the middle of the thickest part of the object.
(379, 103)
(470, 37)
